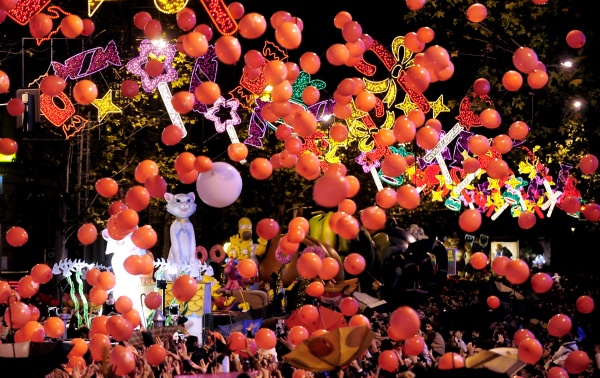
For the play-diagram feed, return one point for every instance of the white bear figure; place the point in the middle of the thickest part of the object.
(183, 237)
(126, 284)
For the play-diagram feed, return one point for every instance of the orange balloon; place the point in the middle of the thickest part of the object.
(99, 346)
(393, 165)
(497, 169)
(27, 287)
(40, 25)
(237, 341)
(308, 166)
(152, 29)
(471, 165)
(408, 197)
(91, 276)
(71, 26)
(518, 130)
(493, 302)
(309, 265)
(237, 152)
(450, 361)
(288, 35)
(405, 321)
(337, 54)
(541, 282)
(329, 268)
(512, 80)
(427, 137)
(183, 102)
(476, 12)
(8, 146)
(154, 67)
(386, 198)
(133, 316)
(388, 361)
(297, 334)
(252, 25)
(373, 218)
(207, 92)
(341, 18)
(359, 320)
(354, 264)
(5, 82)
(559, 325)
(41, 273)
(79, 349)
(54, 327)
(348, 306)
(87, 234)
(17, 315)
(247, 268)
(517, 271)
(310, 95)
(153, 300)
(527, 220)
(267, 228)
(156, 354)
(85, 92)
(137, 198)
(530, 351)
(499, 265)
(315, 289)
(228, 49)
(577, 362)
(310, 62)
(98, 296)
(575, 39)
(490, 118)
(414, 345)
(16, 236)
(404, 129)
(537, 79)
(265, 338)
(261, 168)
(52, 85)
(106, 187)
(470, 220)
(585, 304)
(308, 314)
(76, 362)
(156, 186)
(525, 59)
(184, 288)
(144, 237)
(479, 260)
(33, 331)
(123, 304)
(123, 359)
(330, 189)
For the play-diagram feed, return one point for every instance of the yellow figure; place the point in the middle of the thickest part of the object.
(241, 245)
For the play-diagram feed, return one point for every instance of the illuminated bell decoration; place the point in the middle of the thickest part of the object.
(105, 106)
(170, 6)
(135, 65)
(98, 58)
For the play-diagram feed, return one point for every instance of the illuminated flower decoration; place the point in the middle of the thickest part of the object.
(135, 65)
(232, 104)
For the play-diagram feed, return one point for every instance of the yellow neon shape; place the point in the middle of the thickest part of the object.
(170, 6)
(105, 106)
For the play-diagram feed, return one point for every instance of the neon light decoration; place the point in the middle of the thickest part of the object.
(93, 6)
(25, 9)
(211, 114)
(105, 106)
(165, 94)
(100, 59)
(205, 67)
(220, 16)
(149, 84)
(303, 81)
(53, 12)
(257, 128)
(170, 6)
(56, 115)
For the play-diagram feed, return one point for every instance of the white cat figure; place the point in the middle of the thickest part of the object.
(183, 237)
(126, 284)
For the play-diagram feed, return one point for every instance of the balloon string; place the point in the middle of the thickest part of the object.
(86, 315)
(74, 298)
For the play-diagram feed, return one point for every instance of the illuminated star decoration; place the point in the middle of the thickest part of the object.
(438, 106)
(93, 6)
(105, 106)
(134, 66)
(232, 104)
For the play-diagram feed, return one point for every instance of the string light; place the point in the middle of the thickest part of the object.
(25, 9)
(220, 16)
(105, 106)
(149, 84)
(100, 59)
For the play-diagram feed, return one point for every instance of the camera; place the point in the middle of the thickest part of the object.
(174, 309)
(161, 284)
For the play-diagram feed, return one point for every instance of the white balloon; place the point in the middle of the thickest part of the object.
(219, 187)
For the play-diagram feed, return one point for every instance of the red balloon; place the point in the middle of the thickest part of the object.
(517, 271)
(297, 334)
(585, 304)
(130, 88)
(557, 372)
(559, 325)
(123, 359)
(87, 234)
(493, 301)
(541, 282)
(576, 362)
(408, 197)
(522, 334)
(247, 268)
(15, 107)
(330, 189)
(530, 351)
(8, 146)
(570, 204)
(575, 39)
(40, 25)
(265, 339)
(41, 273)
(315, 289)
(309, 265)
(156, 354)
(479, 260)
(27, 287)
(414, 345)
(588, 164)
(481, 86)
(52, 85)
(153, 300)
(85, 92)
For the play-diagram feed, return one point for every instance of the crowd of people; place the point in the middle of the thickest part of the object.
(456, 320)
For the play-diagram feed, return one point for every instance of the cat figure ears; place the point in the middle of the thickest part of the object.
(169, 196)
